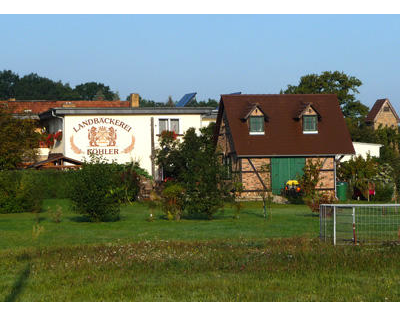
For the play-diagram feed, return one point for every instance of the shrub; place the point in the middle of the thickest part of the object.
(383, 192)
(131, 176)
(196, 165)
(173, 198)
(96, 191)
(314, 202)
(20, 191)
(56, 184)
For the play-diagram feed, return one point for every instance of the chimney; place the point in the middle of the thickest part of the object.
(134, 100)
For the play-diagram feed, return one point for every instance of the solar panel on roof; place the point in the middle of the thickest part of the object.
(186, 99)
(235, 93)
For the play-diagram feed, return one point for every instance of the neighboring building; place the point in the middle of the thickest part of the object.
(267, 139)
(120, 131)
(382, 114)
(363, 149)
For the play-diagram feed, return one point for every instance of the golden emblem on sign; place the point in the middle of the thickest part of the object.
(102, 137)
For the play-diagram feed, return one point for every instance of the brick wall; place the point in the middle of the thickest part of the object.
(385, 118)
(251, 181)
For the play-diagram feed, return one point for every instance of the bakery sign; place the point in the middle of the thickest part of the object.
(102, 136)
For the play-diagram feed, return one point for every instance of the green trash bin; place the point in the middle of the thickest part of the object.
(341, 189)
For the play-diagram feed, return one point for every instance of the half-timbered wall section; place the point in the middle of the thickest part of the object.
(327, 173)
(270, 155)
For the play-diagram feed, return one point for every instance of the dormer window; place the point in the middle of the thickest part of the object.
(310, 124)
(256, 124)
(308, 116)
(255, 118)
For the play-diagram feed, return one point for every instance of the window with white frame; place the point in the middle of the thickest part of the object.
(310, 124)
(168, 124)
(256, 125)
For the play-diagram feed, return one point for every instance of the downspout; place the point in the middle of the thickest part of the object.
(63, 128)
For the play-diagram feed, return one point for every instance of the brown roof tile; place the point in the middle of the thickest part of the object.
(36, 107)
(283, 134)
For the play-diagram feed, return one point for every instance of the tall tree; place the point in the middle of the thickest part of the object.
(170, 102)
(91, 90)
(8, 81)
(197, 167)
(35, 87)
(18, 140)
(344, 86)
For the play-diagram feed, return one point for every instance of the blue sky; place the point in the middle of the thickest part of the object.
(161, 55)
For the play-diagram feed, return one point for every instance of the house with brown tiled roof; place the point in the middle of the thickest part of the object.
(382, 114)
(267, 139)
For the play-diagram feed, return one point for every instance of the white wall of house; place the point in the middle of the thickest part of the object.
(362, 149)
(120, 138)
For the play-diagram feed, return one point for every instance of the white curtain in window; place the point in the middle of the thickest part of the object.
(163, 125)
(175, 125)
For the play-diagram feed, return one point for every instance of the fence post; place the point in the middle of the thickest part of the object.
(334, 225)
(320, 222)
(354, 226)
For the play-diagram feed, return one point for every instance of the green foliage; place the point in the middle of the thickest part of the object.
(96, 192)
(131, 180)
(20, 191)
(55, 184)
(8, 81)
(173, 201)
(56, 214)
(18, 140)
(358, 172)
(195, 165)
(336, 82)
(310, 178)
(94, 91)
(360, 131)
(35, 87)
(383, 192)
(98, 189)
(308, 184)
(327, 83)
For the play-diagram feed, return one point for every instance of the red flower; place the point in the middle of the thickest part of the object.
(169, 134)
(58, 136)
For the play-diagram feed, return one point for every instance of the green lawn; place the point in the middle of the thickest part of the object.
(286, 221)
(192, 260)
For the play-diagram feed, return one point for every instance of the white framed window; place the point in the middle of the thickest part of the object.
(310, 124)
(256, 125)
(169, 124)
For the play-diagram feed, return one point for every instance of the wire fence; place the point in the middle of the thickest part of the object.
(360, 223)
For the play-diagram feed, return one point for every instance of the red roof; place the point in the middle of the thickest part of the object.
(36, 107)
(283, 134)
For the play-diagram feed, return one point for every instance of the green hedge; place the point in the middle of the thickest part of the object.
(24, 190)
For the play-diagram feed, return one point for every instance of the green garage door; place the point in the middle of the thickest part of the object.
(284, 169)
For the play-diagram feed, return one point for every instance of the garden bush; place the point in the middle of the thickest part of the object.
(383, 192)
(96, 190)
(173, 201)
(20, 191)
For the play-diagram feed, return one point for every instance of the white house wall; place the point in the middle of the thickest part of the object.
(362, 149)
(119, 138)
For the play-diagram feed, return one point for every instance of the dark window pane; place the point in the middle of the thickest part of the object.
(256, 124)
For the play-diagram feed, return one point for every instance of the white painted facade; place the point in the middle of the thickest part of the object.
(118, 137)
(362, 149)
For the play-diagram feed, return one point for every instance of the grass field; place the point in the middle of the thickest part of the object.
(191, 260)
